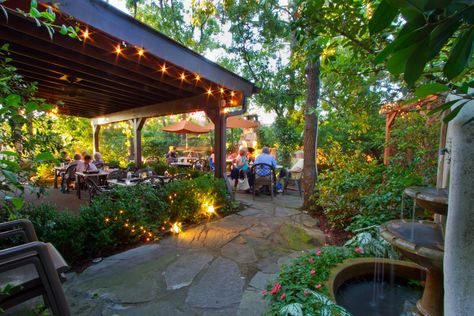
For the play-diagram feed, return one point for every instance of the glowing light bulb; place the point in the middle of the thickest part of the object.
(210, 209)
(198, 77)
(85, 34)
(175, 228)
(221, 90)
(141, 52)
(183, 76)
(163, 68)
(232, 93)
(209, 91)
(118, 50)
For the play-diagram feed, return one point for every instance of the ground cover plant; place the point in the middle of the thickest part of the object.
(125, 217)
(301, 288)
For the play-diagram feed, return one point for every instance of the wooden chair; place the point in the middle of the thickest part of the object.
(266, 180)
(34, 268)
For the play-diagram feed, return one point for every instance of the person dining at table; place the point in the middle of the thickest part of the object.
(87, 165)
(172, 155)
(240, 166)
(262, 171)
(98, 161)
(71, 169)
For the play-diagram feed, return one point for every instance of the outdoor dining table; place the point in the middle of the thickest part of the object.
(122, 182)
(184, 164)
(57, 174)
(101, 174)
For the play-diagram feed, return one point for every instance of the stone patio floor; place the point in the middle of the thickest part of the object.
(216, 268)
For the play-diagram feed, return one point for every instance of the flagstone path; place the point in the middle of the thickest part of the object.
(217, 268)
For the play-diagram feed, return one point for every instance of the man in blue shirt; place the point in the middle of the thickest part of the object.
(262, 171)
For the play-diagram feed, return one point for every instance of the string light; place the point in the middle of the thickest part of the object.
(222, 90)
(209, 91)
(118, 50)
(183, 76)
(141, 52)
(232, 93)
(210, 209)
(85, 34)
(163, 68)
(198, 77)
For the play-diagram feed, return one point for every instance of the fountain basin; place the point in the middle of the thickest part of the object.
(421, 242)
(432, 199)
(352, 285)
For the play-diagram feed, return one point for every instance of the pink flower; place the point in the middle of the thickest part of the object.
(318, 253)
(264, 292)
(318, 286)
(311, 259)
(359, 250)
(306, 292)
(283, 296)
(312, 272)
(275, 289)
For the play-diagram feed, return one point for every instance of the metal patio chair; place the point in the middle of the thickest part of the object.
(266, 180)
(33, 268)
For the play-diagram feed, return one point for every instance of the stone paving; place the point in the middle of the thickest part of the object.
(216, 268)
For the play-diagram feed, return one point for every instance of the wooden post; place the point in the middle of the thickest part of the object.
(95, 136)
(389, 121)
(218, 117)
(137, 125)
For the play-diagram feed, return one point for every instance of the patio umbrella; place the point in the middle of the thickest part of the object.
(236, 122)
(185, 127)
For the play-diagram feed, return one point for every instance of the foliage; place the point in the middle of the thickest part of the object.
(429, 28)
(188, 200)
(287, 137)
(373, 244)
(125, 217)
(304, 282)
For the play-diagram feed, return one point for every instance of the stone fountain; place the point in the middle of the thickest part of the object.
(423, 243)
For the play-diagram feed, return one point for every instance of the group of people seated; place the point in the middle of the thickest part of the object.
(81, 163)
(243, 161)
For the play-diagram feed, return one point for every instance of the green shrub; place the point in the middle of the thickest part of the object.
(126, 216)
(188, 200)
(62, 229)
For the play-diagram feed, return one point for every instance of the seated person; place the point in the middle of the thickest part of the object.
(98, 161)
(87, 165)
(262, 171)
(68, 176)
(241, 165)
(64, 157)
(211, 160)
(171, 156)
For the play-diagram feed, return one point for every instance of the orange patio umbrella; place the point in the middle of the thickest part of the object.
(186, 127)
(236, 122)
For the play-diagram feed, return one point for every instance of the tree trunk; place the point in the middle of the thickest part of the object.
(310, 172)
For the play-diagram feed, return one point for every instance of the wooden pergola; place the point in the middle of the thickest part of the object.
(392, 110)
(122, 70)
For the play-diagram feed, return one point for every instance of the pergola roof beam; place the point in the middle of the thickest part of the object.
(99, 79)
(197, 103)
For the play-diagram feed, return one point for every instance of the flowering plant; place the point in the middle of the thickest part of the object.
(301, 287)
